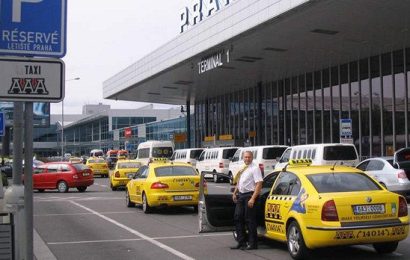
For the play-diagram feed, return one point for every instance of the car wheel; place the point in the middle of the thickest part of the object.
(145, 207)
(196, 208)
(112, 187)
(40, 190)
(216, 178)
(81, 188)
(62, 186)
(295, 241)
(128, 201)
(385, 248)
(230, 178)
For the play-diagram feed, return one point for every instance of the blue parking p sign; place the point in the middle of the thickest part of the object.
(33, 27)
(2, 124)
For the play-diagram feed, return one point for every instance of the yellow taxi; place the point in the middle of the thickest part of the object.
(310, 207)
(124, 171)
(98, 165)
(162, 183)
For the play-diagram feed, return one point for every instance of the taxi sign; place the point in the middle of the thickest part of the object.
(33, 27)
(25, 79)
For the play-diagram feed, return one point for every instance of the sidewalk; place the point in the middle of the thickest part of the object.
(41, 250)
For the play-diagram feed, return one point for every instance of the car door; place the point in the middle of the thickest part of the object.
(139, 183)
(216, 210)
(279, 203)
(38, 177)
(49, 179)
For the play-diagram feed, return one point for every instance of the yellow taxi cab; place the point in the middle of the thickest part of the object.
(98, 165)
(163, 183)
(124, 171)
(310, 207)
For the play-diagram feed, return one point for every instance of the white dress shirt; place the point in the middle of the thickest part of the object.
(250, 176)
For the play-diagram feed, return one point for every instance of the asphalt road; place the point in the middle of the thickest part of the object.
(98, 225)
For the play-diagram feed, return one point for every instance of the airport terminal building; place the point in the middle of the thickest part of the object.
(284, 72)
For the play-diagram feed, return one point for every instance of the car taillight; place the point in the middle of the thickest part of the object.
(402, 207)
(117, 174)
(205, 184)
(329, 211)
(401, 174)
(262, 167)
(159, 185)
(221, 165)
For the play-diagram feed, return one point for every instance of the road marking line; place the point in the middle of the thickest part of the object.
(138, 239)
(41, 250)
(217, 186)
(77, 199)
(78, 214)
(102, 185)
(135, 232)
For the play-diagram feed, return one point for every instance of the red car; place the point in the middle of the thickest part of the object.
(62, 176)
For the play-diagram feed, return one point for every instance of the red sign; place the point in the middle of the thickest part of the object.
(127, 132)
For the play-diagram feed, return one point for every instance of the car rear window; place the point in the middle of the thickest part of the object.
(228, 153)
(80, 166)
(128, 165)
(174, 171)
(339, 152)
(342, 182)
(272, 152)
(162, 152)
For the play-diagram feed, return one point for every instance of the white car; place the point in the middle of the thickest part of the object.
(388, 173)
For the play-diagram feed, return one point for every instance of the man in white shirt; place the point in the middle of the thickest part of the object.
(245, 195)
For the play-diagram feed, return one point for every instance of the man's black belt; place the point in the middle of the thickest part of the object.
(246, 193)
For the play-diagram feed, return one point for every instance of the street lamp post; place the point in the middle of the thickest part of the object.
(62, 121)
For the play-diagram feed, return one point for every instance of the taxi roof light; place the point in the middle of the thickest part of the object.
(297, 162)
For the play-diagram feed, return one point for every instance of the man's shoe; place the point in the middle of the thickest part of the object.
(249, 247)
(238, 246)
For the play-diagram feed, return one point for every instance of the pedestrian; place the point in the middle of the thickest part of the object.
(245, 195)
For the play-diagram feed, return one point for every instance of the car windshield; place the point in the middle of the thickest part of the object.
(174, 171)
(162, 152)
(342, 182)
(129, 165)
(228, 153)
(272, 152)
(339, 152)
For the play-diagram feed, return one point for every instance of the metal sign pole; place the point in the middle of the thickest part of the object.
(28, 178)
(18, 208)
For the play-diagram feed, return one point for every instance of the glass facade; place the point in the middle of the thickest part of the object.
(373, 92)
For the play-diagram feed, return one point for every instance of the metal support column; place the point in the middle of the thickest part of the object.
(188, 123)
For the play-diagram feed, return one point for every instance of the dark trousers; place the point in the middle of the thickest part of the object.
(245, 217)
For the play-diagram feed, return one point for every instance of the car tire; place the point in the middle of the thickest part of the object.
(230, 178)
(145, 206)
(128, 201)
(216, 178)
(62, 186)
(112, 187)
(82, 188)
(195, 208)
(40, 190)
(295, 242)
(385, 248)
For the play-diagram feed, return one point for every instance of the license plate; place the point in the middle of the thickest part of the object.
(369, 209)
(182, 197)
(86, 174)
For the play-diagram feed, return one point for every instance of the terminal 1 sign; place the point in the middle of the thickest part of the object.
(200, 10)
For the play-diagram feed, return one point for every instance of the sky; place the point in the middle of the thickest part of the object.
(104, 37)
